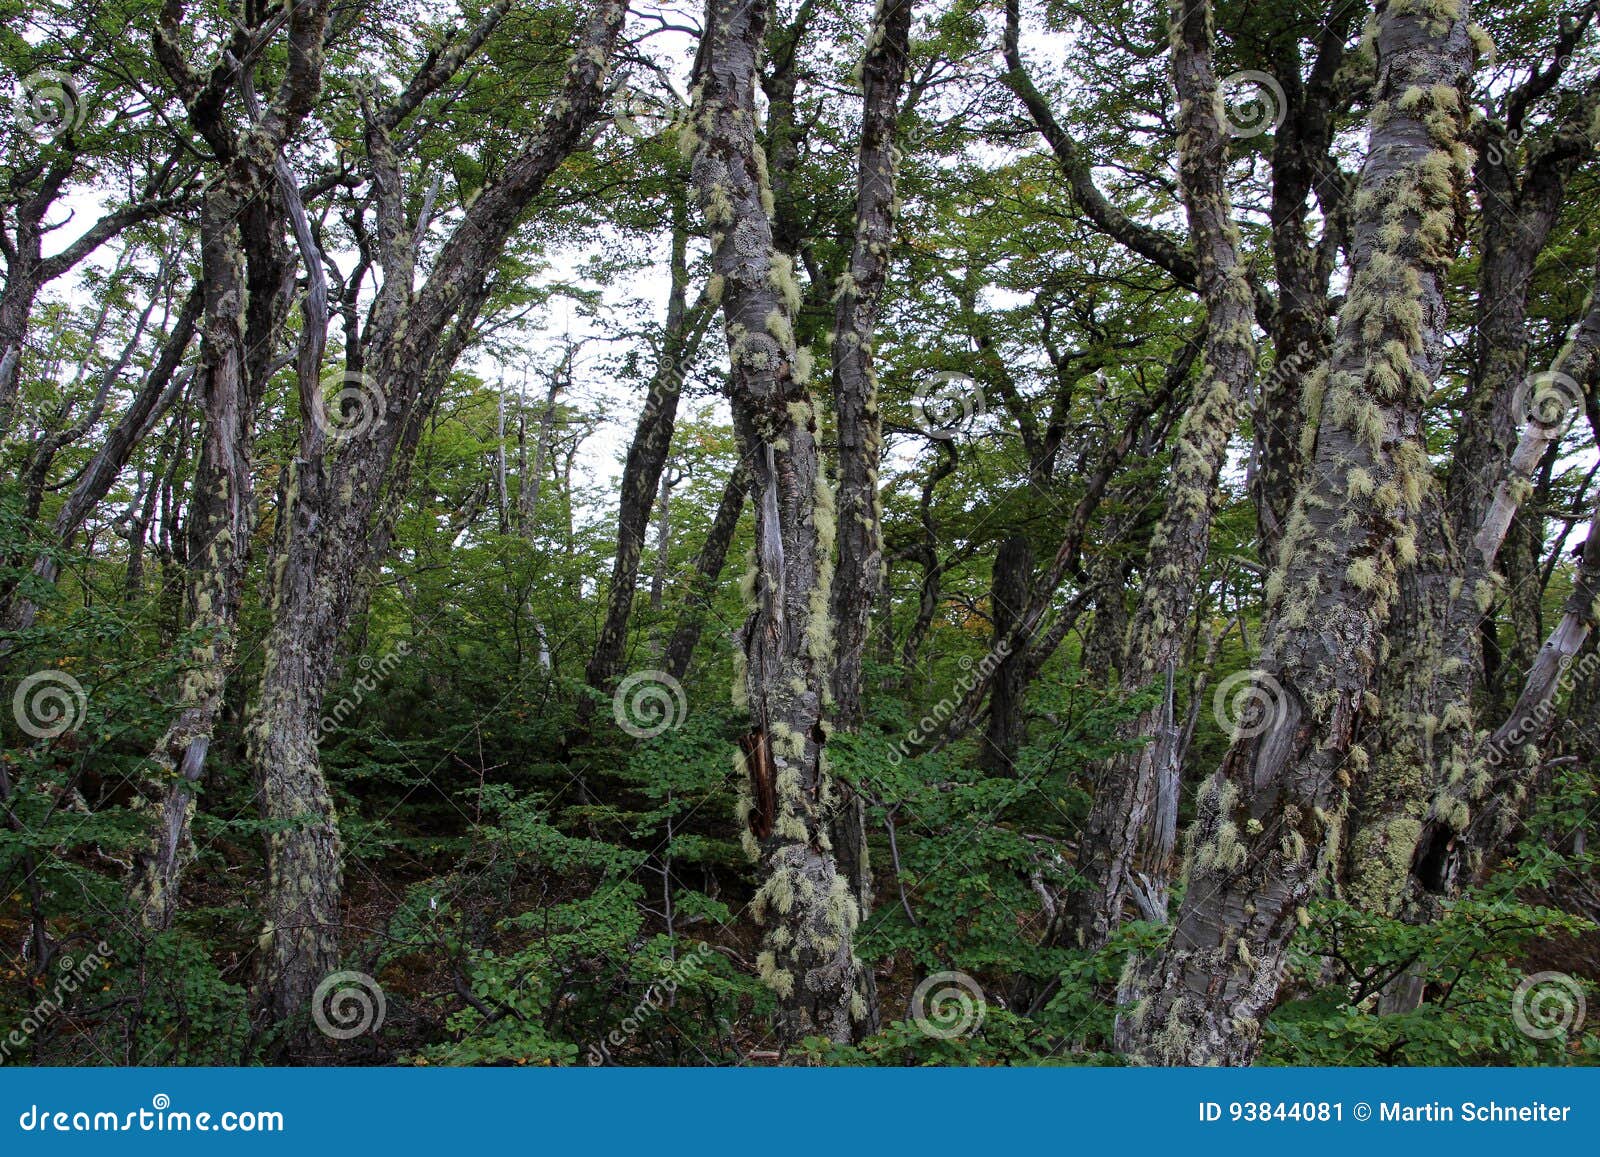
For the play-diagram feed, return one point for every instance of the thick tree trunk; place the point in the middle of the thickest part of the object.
(1423, 738)
(1267, 821)
(243, 282)
(786, 644)
(1129, 784)
(342, 506)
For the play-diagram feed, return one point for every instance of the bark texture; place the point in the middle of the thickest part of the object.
(352, 471)
(1128, 786)
(786, 645)
(855, 388)
(242, 278)
(1268, 820)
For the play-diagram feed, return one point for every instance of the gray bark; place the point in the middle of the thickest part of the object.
(1129, 784)
(1268, 819)
(786, 643)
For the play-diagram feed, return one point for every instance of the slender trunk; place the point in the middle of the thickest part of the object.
(708, 566)
(1268, 820)
(855, 394)
(158, 393)
(1129, 784)
(647, 458)
(1303, 266)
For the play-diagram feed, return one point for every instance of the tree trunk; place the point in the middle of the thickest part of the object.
(1129, 784)
(343, 505)
(1010, 594)
(1267, 821)
(855, 393)
(708, 566)
(647, 457)
(787, 641)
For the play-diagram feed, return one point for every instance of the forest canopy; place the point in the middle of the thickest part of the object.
(952, 532)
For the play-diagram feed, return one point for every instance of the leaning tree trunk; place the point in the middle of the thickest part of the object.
(708, 566)
(1267, 821)
(647, 457)
(786, 645)
(1129, 784)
